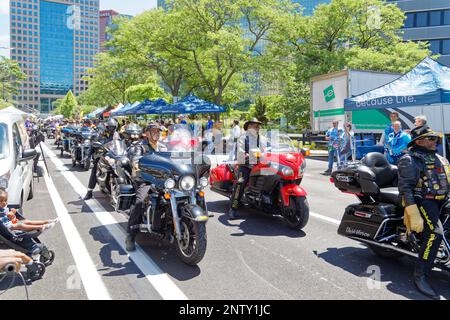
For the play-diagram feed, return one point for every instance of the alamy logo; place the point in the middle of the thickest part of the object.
(73, 18)
(329, 93)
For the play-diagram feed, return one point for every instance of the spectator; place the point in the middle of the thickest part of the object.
(397, 143)
(389, 129)
(420, 121)
(235, 134)
(333, 136)
(209, 124)
(348, 143)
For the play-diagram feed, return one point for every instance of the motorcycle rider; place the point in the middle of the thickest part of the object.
(248, 141)
(151, 144)
(107, 136)
(424, 180)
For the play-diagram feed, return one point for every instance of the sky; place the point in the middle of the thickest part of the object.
(130, 7)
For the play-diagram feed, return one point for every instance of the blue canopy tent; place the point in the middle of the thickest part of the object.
(124, 111)
(118, 111)
(95, 113)
(194, 105)
(144, 108)
(426, 84)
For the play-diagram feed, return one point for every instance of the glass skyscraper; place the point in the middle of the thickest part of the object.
(54, 42)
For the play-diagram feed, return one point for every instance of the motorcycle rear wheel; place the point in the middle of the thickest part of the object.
(87, 164)
(192, 247)
(297, 215)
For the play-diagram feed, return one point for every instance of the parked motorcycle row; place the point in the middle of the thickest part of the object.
(176, 208)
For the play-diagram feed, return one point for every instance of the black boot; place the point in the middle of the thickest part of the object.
(421, 283)
(88, 195)
(233, 214)
(130, 244)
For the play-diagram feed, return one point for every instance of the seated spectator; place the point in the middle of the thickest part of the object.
(9, 220)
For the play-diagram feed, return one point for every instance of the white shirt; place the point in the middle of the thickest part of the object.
(236, 132)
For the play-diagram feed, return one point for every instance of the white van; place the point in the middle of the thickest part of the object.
(16, 159)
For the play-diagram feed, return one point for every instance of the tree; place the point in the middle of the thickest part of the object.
(110, 79)
(149, 90)
(10, 78)
(68, 106)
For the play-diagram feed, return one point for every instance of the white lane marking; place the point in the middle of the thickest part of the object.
(157, 278)
(324, 218)
(92, 282)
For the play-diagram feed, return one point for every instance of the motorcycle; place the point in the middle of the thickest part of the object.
(274, 184)
(114, 173)
(175, 207)
(81, 151)
(67, 139)
(377, 220)
(51, 132)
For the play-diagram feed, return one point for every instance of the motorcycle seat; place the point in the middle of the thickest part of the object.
(385, 173)
(389, 195)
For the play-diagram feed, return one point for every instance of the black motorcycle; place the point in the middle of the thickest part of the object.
(377, 220)
(81, 148)
(114, 172)
(51, 132)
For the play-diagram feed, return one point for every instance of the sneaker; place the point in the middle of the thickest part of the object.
(48, 226)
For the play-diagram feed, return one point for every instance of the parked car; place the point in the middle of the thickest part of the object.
(16, 159)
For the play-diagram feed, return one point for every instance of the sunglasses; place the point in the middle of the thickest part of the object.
(430, 138)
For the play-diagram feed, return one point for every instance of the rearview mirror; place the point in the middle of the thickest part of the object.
(28, 155)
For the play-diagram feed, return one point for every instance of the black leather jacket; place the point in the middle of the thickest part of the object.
(423, 175)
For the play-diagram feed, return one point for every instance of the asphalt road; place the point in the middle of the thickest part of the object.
(257, 257)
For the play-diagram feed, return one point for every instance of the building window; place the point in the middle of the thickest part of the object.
(435, 18)
(421, 19)
(446, 46)
(446, 17)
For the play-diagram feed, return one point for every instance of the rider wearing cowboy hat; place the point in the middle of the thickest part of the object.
(423, 183)
(247, 142)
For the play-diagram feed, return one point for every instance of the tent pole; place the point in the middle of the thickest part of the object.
(444, 142)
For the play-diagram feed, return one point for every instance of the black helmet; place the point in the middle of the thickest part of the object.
(133, 131)
(111, 125)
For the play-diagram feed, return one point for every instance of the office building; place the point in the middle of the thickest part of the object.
(310, 5)
(54, 42)
(428, 20)
(106, 23)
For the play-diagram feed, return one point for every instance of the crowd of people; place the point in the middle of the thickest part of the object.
(341, 142)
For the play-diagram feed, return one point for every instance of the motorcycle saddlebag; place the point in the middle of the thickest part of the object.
(372, 222)
(221, 177)
(126, 197)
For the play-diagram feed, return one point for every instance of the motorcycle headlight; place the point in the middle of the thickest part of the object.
(169, 184)
(187, 183)
(87, 143)
(286, 171)
(203, 182)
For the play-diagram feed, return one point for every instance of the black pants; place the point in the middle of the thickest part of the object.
(238, 190)
(93, 178)
(137, 211)
(432, 234)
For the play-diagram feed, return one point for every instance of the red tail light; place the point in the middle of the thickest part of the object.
(332, 180)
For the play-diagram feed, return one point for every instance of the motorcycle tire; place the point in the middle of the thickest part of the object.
(87, 164)
(384, 253)
(297, 215)
(192, 247)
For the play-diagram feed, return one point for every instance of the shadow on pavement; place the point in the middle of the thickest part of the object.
(362, 262)
(253, 222)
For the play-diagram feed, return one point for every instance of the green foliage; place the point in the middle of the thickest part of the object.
(149, 90)
(4, 104)
(10, 78)
(68, 106)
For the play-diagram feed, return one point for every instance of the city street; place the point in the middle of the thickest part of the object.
(257, 257)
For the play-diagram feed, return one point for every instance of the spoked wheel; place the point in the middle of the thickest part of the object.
(87, 164)
(191, 248)
(36, 271)
(297, 215)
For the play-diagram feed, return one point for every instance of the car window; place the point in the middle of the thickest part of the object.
(17, 142)
(4, 143)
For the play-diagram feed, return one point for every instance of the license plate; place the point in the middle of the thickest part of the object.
(344, 178)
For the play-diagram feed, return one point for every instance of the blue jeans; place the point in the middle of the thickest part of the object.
(332, 153)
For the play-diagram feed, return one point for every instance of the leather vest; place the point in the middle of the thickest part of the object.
(434, 179)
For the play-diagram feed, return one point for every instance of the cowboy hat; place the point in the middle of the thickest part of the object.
(422, 132)
(254, 120)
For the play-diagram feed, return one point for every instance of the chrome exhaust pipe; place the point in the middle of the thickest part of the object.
(385, 246)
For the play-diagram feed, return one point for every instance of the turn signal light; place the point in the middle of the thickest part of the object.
(201, 194)
(167, 196)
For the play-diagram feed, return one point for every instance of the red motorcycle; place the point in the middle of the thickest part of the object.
(274, 184)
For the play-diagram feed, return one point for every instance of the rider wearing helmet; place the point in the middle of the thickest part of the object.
(107, 134)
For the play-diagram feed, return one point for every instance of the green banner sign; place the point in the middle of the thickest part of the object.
(329, 93)
(329, 112)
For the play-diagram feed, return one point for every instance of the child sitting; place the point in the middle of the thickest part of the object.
(9, 220)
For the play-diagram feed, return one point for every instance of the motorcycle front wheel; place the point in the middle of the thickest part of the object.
(191, 248)
(87, 164)
(297, 215)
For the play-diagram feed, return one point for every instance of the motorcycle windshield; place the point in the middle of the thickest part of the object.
(180, 143)
(280, 143)
(117, 147)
